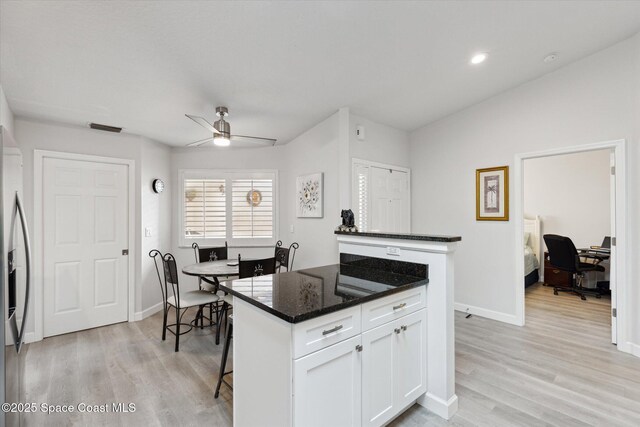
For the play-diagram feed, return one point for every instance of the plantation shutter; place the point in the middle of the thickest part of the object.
(205, 213)
(362, 188)
(252, 208)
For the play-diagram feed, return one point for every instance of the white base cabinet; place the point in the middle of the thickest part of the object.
(393, 367)
(327, 386)
(361, 366)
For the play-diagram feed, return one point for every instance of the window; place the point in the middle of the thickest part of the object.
(233, 206)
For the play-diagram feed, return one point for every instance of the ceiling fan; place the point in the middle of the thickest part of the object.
(221, 130)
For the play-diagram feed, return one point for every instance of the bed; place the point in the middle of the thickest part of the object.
(532, 251)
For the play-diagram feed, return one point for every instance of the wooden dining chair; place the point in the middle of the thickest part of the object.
(180, 301)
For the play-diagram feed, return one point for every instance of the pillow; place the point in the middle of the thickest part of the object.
(527, 237)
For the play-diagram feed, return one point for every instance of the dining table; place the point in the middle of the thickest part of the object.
(211, 271)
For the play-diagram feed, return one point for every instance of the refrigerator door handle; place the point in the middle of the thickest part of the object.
(27, 252)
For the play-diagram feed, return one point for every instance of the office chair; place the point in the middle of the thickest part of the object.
(564, 256)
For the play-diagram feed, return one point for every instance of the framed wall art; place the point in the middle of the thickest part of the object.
(309, 196)
(492, 194)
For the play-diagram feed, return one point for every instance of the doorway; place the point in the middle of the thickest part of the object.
(381, 197)
(84, 229)
(617, 185)
(568, 195)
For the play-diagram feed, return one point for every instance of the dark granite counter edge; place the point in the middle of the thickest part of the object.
(323, 311)
(423, 237)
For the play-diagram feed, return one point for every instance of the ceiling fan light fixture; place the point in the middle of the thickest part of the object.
(221, 141)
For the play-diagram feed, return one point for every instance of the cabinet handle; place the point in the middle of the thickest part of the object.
(334, 329)
(396, 330)
(403, 327)
(399, 306)
(358, 348)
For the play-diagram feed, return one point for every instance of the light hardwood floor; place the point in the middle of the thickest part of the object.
(560, 369)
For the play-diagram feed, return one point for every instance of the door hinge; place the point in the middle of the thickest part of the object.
(613, 241)
(125, 252)
(613, 170)
(614, 312)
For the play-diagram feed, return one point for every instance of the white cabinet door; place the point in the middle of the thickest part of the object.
(327, 386)
(378, 375)
(411, 357)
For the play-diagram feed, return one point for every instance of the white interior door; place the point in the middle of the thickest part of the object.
(612, 257)
(389, 200)
(85, 215)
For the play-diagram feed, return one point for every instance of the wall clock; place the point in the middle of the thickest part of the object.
(158, 185)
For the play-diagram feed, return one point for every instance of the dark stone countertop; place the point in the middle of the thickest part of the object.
(301, 295)
(403, 236)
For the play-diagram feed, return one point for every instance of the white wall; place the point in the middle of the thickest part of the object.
(316, 150)
(156, 215)
(34, 135)
(383, 144)
(571, 195)
(6, 115)
(592, 100)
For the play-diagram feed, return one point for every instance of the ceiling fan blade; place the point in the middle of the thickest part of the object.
(199, 143)
(272, 141)
(204, 123)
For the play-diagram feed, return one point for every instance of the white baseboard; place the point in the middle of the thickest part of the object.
(139, 315)
(635, 349)
(443, 409)
(30, 337)
(489, 314)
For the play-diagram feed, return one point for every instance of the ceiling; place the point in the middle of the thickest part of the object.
(282, 67)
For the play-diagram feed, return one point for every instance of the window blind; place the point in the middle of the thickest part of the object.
(362, 182)
(205, 213)
(252, 208)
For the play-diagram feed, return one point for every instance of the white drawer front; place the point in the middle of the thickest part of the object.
(381, 311)
(315, 334)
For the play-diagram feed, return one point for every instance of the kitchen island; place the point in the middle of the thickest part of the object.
(340, 345)
(437, 252)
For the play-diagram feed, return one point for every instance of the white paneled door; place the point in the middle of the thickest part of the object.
(85, 214)
(389, 200)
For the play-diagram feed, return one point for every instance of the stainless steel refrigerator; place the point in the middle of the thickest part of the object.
(15, 277)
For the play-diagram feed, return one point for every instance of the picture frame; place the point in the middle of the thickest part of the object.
(310, 196)
(492, 194)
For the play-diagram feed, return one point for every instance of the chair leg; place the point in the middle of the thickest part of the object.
(201, 312)
(223, 361)
(177, 328)
(211, 314)
(223, 310)
(164, 323)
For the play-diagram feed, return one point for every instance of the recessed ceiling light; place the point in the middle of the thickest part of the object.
(551, 57)
(478, 58)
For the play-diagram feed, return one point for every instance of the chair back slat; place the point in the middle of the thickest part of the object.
(171, 276)
(256, 267)
(210, 254)
(562, 252)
